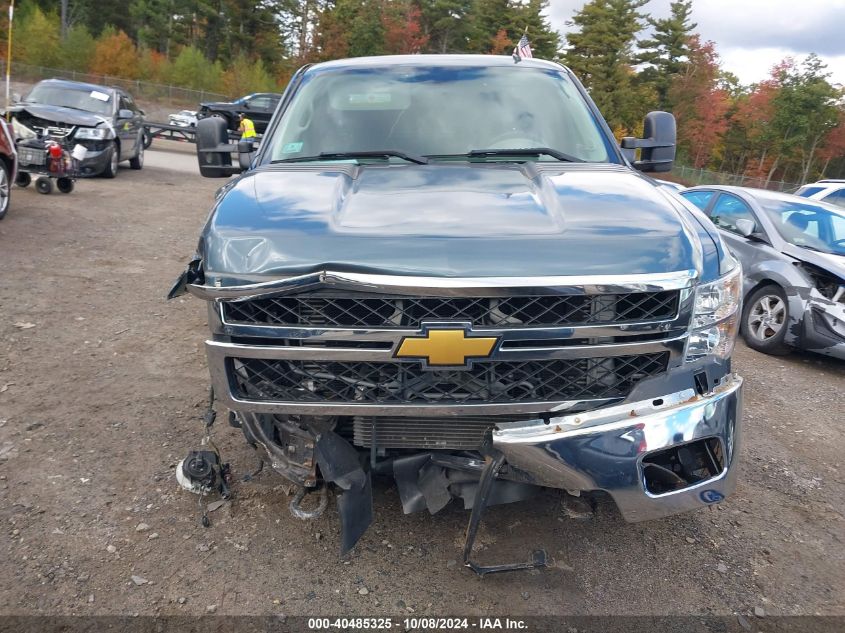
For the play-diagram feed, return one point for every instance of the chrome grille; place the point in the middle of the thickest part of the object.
(361, 382)
(321, 310)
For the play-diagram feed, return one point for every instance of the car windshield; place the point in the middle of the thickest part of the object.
(438, 111)
(819, 227)
(90, 100)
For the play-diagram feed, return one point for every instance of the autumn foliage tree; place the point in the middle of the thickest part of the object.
(115, 55)
(700, 104)
(402, 28)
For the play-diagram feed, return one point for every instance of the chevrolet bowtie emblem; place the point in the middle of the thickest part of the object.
(446, 347)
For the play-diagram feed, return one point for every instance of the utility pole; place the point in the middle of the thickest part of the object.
(64, 19)
(9, 53)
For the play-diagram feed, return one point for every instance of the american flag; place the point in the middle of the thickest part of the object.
(523, 49)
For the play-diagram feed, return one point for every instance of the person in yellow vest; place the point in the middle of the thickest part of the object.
(246, 128)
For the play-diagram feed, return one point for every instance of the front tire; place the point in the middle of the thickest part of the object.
(765, 320)
(114, 158)
(5, 189)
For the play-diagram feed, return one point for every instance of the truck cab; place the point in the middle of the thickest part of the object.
(443, 269)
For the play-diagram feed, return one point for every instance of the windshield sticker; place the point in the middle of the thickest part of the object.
(102, 96)
(292, 148)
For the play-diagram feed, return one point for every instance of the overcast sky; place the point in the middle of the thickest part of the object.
(753, 35)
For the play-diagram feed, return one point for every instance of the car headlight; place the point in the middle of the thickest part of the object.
(21, 131)
(715, 320)
(94, 133)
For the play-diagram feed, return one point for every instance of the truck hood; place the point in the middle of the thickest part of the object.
(450, 219)
(59, 114)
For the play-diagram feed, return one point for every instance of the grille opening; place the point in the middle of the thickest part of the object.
(355, 382)
(323, 309)
(682, 466)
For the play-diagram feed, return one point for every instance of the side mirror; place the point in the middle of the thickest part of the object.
(245, 105)
(214, 152)
(246, 150)
(658, 145)
(745, 227)
(16, 97)
(125, 114)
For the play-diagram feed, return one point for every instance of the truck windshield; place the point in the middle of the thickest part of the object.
(438, 111)
(89, 100)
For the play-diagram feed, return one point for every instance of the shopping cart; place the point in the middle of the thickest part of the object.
(50, 160)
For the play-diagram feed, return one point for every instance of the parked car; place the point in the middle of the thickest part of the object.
(184, 118)
(105, 121)
(259, 107)
(8, 166)
(832, 191)
(477, 306)
(671, 186)
(793, 256)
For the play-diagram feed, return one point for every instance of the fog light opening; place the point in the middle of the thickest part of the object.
(683, 466)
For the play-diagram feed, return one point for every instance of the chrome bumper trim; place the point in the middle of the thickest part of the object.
(603, 449)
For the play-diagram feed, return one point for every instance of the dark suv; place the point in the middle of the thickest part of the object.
(259, 107)
(105, 121)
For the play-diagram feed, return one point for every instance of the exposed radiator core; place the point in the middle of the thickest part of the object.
(451, 433)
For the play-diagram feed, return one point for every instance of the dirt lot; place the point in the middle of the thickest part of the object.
(102, 384)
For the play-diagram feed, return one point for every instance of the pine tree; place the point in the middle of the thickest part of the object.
(545, 41)
(446, 24)
(599, 52)
(667, 50)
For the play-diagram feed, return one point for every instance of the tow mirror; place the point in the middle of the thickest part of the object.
(246, 150)
(214, 152)
(125, 113)
(657, 147)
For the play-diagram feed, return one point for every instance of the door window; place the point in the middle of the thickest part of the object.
(699, 198)
(728, 210)
(259, 103)
(837, 197)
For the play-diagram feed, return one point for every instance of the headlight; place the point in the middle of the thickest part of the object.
(715, 319)
(93, 133)
(21, 131)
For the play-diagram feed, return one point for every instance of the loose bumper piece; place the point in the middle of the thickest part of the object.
(604, 449)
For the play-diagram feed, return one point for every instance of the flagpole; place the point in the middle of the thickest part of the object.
(9, 52)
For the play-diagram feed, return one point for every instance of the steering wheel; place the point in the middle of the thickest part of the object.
(515, 141)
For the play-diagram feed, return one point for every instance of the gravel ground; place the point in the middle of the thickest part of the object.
(102, 384)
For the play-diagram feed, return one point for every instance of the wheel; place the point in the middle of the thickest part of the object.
(5, 189)
(44, 185)
(114, 158)
(23, 179)
(765, 320)
(65, 185)
(148, 139)
(138, 161)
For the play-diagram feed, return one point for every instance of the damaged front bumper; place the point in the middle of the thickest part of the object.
(605, 449)
(824, 327)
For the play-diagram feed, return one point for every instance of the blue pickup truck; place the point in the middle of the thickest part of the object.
(445, 270)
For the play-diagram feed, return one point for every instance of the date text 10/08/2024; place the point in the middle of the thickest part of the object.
(425, 623)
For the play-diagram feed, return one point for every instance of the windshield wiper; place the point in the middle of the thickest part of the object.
(379, 153)
(528, 151)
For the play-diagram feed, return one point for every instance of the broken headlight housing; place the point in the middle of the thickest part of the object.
(22, 132)
(94, 133)
(715, 319)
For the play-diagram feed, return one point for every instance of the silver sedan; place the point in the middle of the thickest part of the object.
(793, 257)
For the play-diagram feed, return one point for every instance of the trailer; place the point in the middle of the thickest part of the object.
(168, 132)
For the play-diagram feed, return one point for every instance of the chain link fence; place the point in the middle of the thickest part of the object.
(142, 91)
(692, 176)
